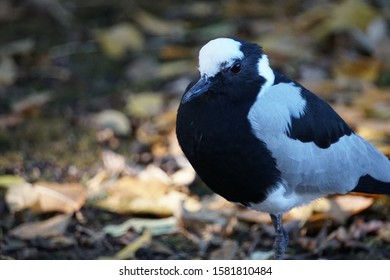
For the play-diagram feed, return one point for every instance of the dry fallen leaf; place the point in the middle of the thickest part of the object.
(203, 221)
(337, 207)
(145, 104)
(32, 104)
(44, 229)
(363, 69)
(149, 196)
(113, 120)
(345, 15)
(154, 25)
(66, 198)
(155, 226)
(253, 216)
(113, 163)
(21, 196)
(120, 38)
(344, 206)
(384, 232)
(184, 176)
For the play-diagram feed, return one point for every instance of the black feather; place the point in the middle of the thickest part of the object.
(319, 123)
(216, 136)
(368, 184)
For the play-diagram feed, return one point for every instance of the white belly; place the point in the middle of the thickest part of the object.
(281, 201)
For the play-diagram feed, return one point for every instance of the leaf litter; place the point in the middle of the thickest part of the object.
(89, 161)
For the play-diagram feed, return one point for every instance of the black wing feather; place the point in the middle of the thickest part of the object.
(319, 123)
(367, 184)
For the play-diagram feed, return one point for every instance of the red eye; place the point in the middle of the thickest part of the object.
(235, 68)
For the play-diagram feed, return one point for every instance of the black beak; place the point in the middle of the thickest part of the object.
(200, 87)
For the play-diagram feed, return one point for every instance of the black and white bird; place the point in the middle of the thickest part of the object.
(260, 139)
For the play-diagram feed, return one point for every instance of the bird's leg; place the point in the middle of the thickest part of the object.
(281, 238)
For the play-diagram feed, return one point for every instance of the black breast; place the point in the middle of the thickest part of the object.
(216, 137)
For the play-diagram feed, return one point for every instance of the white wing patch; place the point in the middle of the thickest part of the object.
(217, 52)
(266, 72)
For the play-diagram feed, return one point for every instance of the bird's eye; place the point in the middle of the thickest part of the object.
(236, 68)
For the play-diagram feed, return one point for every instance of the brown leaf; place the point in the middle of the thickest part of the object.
(48, 228)
(32, 104)
(227, 251)
(66, 198)
(338, 207)
(344, 206)
(384, 233)
(253, 216)
(375, 102)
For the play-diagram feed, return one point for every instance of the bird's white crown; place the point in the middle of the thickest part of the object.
(223, 52)
(218, 52)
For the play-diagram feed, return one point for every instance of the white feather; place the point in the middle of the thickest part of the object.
(266, 72)
(282, 201)
(218, 52)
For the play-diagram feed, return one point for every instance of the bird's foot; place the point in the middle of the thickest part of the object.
(281, 239)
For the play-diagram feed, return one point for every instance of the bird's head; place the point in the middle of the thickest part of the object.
(230, 68)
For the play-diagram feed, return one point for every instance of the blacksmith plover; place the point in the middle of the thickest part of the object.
(260, 139)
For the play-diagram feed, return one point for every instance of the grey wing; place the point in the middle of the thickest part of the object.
(336, 169)
(314, 148)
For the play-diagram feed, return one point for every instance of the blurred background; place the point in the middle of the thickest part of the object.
(89, 163)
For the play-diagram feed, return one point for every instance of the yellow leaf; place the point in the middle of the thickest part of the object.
(7, 181)
(345, 15)
(351, 13)
(154, 25)
(118, 39)
(145, 104)
(363, 69)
